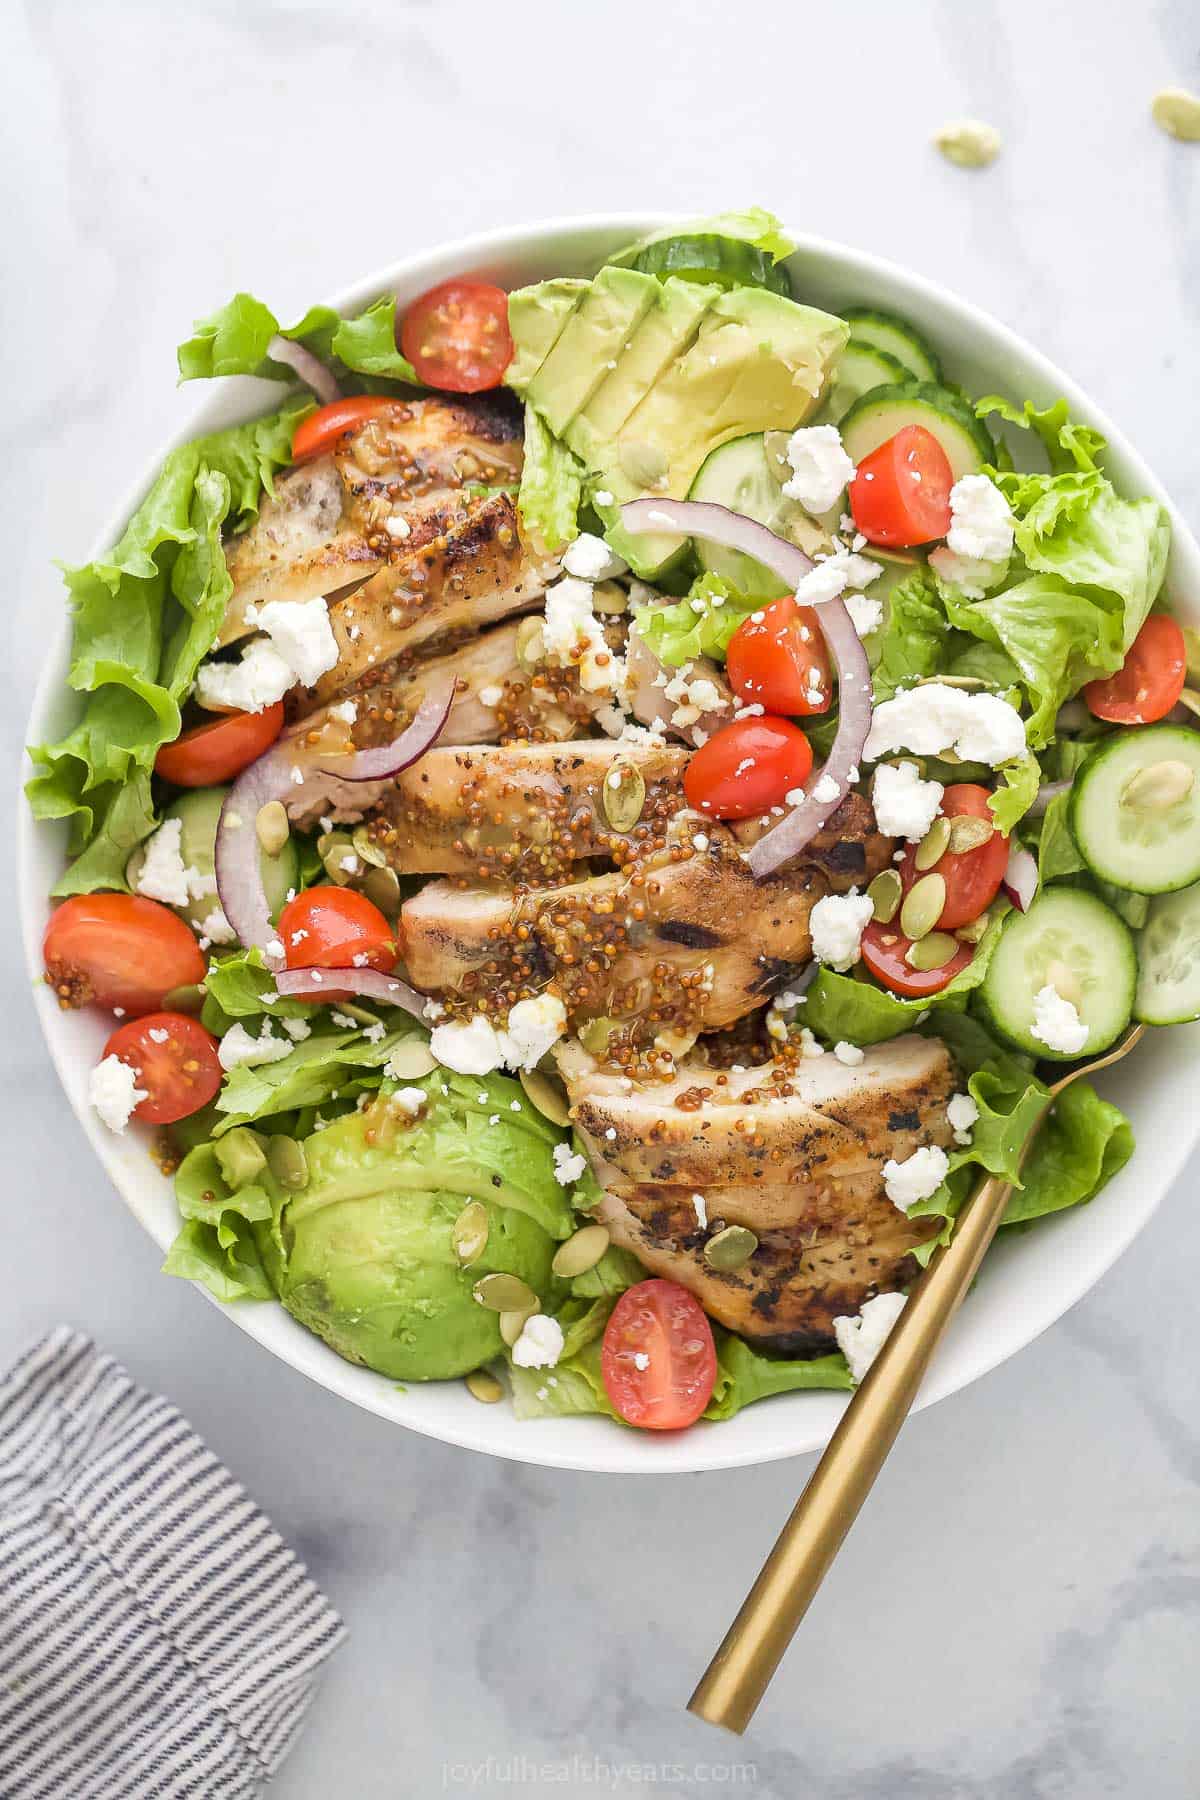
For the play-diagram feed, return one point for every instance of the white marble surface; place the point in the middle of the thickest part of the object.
(1018, 1612)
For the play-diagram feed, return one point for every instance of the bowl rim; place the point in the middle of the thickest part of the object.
(701, 1448)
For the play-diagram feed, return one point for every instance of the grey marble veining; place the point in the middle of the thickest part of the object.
(1018, 1612)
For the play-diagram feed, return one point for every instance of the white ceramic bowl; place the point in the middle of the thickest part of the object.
(1030, 1279)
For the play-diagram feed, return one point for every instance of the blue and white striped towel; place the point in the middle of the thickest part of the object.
(158, 1640)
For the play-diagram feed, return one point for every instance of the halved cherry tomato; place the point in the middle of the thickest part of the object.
(119, 950)
(658, 1361)
(777, 657)
(335, 928)
(901, 492)
(175, 1060)
(972, 877)
(883, 951)
(218, 752)
(747, 767)
(456, 336)
(322, 429)
(1150, 680)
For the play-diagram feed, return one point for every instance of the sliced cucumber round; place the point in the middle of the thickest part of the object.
(883, 412)
(1073, 943)
(884, 331)
(859, 369)
(1168, 953)
(198, 811)
(709, 256)
(740, 475)
(1135, 810)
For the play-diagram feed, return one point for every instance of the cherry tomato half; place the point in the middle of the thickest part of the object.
(901, 492)
(658, 1361)
(778, 658)
(119, 950)
(1149, 681)
(322, 429)
(456, 336)
(221, 750)
(747, 767)
(333, 927)
(972, 877)
(883, 952)
(175, 1060)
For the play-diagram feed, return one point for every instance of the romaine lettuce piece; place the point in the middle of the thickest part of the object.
(551, 486)
(234, 341)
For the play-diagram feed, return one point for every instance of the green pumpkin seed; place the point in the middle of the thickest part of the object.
(483, 1386)
(512, 1324)
(336, 848)
(271, 826)
(974, 929)
(469, 1232)
(366, 849)
(624, 796)
(968, 143)
(1178, 113)
(923, 905)
(885, 894)
(505, 1293)
(967, 833)
(933, 845)
(932, 951)
(1191, 699)
(1160, 785)
(595, 1034)
(530, 645)
(382, 888)
(581, 1252)
(730, 1248)
(968, 683)
(189, 999)
(287, 1162)
(610, 598)
(411, 1059)
(546, 1096)
(644, 463)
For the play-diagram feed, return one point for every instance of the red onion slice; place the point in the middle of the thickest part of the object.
(1049, 790)
(309, 368)
(317, 984)
(828, 787)
(427, 726)
(239, 876)
(1020, 880)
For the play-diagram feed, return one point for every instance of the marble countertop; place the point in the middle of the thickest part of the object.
(1018, 1611)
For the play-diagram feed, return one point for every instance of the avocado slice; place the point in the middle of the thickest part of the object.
(536, 317)
(595, 336)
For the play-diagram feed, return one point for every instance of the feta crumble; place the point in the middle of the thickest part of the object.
(1056, 1022)
(977, 727)
(850, 1054)
(238, 1047)
(861, 1336)
(568, 1166)
(347, 712)
(918, 1176)
(866, 614)
(961, 1113)
(470, 1049)
(297, 1029)
(825, 790)
(540, 1344)
(260, 678)
(301, 633)
(491, 696)
(532, 1027)
(590, 558)
(820, 467)
(701, 1207)
(217, 929)
(905, 806)
(408, 1100)
(163, 875)
(114, 1092)
(981, 521)
(837, 923)
(972, 574)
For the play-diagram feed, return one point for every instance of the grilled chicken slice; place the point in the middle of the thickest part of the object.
(798, 1159)
(323, 528)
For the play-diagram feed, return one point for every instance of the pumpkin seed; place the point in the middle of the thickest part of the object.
(271, 826)
(411, 1059)
(581, 1252)
(469, 1232)
(624, 796)
(923, 906)
(967, 833)
(1064, 981)
(287, 1162)
(968, 143)
(1178, 112)
(1191, 699)
(949, 756)
(1159, 786)
(609, 597)
(189, 999)
(596, 1033)
(483, 1386)
(974, 929)
(934, 845)
(546, 1096)
(885, 894)
(675, 1044)
(505, 1293)
(933, 951)
(644, 463)
(730, 1248)
(968, 683)
(339, 848)
(382, 887)
(512, 1324)
(366, 849)
(530, 644)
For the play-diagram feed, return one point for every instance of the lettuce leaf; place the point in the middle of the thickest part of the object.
(551, 486)
(1009, 803)
(913, 642)
(678, 634)
(755, 226)
(216, 1243)
(234, 342)
(329, 1064)
(745, 1375)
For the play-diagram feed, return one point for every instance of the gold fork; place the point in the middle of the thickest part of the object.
(738, 1675)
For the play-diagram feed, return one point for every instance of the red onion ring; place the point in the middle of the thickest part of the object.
(1049, 790)
(309, 368)
(1020, 879)
(313, 984)
(429, 721)
(704, 519)
(239, 877)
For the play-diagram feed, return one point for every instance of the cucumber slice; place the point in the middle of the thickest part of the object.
(198, 811)
(739, 475)
(860, 368)
(1072, 942)
(897, 338)
(710, 256)
(1168, 953)
(880, 414)
(1135, 810)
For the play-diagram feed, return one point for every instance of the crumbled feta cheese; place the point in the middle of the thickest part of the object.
(217, 929)
(794, 796)
(470, 1049)
(850, 1054)
(114, 1092)
(260, 678)
(532, 1027)
(397, 526)
(1056, 1022)
(861, 1336)
(491, 696)
(590, 558)
(825, 790)
(409, 1100)
(568, 1166)
(237, 1047)
(163, 876)
(602, 497)
(699, 841)
(981, 522)
(701, 1206)
(343, 1020)
(918, 1176)
(978, 727)
(347, 712)
(837, 923)
(641, 1359)
(297, 1029)
(574, 635)
(905, 806)
(866, 614)
(820, 467)
(706, 695)
(273, 947)
(302, 634)
(961, 1112)
(156, 1036)
(810, 1047)
(540, 1344)
(971, 574)
(824, 582)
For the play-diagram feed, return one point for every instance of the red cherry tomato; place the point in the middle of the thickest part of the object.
(778, 658)
(456, 336)
(175, 1060)
(883, 952)
(119, 950)
(1150, 680)
(322, 429)
(335, 928)
(218, 752)
(658, 1361)
(747, 767)
(901, 492)
(972, 877)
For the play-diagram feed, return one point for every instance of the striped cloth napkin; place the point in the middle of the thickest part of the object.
(158, 1640)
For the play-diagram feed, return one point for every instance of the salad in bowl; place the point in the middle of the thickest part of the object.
(594, 819)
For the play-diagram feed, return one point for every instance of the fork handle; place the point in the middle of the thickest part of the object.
(738, 1675)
